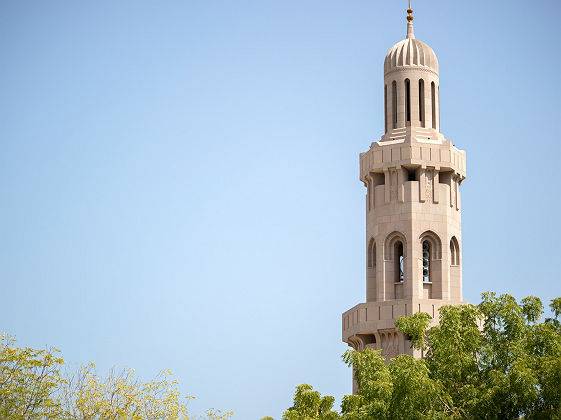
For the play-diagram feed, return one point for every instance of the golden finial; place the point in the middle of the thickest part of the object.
(410, 34)
(409, 13)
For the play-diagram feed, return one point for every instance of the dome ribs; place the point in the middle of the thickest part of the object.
(410, 52)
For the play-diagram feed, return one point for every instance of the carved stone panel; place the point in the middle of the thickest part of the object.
(390, 344)
(453, 192)
(393, 185)
(429, 185)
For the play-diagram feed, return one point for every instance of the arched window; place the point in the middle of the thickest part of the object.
(426, 261)
(386, 108)
(407, 100)
(433, 102)
(372, 254)
(394, 104)
(454, 251)
(399, 262)
(395, 266)
(422, 102)
(431, 258)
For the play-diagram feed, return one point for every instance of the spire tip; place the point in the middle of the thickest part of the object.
(410, 33)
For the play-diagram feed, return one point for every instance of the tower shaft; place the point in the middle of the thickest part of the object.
(413, 208)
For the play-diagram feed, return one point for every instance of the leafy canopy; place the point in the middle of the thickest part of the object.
(495, 360)
(33, 387)
(309, 404)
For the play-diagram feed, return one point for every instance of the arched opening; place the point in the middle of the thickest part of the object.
(454, 251)
(455, 269)
(399, 262)
(422, 102)
(431, 258)
(426, 261)
(433, 103)
(386, 108)
(371, 271)
(407, 100)
(395, 266)
(435, 245)
(394, 104)
(372, 254)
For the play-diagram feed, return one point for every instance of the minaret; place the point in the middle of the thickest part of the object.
(413, 225)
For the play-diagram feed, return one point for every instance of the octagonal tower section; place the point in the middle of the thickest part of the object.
(413, 207)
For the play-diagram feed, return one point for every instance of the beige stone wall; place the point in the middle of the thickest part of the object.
(411, 199)
(412, 178)
(372, 324)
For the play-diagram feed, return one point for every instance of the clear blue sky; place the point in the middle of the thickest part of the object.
(180, 178)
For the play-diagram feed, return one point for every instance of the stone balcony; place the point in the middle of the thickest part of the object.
(368, 318)
(413, 147)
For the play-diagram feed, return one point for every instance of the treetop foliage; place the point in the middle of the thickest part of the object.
(495, 360)
(33, 387)
(309, 404)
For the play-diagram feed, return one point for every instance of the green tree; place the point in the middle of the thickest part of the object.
(32, 386)
(453, 355)
(374, 382)
(403, 389)
(29, 380)
(85, 394)
(309, 404)
(495, 360)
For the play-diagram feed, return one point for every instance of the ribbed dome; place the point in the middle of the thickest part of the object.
(410, 52)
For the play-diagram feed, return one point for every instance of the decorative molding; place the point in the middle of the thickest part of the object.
(390, 344)
(409, 68)
(429, 185)
(429, 141)
(388, 142)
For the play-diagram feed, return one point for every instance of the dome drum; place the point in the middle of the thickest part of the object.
(411, 98)
(411, 85)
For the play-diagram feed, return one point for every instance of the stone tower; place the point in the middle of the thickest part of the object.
(413, 226)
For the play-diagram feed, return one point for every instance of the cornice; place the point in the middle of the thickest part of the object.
(411, 68)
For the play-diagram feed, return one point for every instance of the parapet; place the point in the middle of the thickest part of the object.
(413, 147)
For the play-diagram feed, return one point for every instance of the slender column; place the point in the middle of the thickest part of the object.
(437, 108)
(415, 122)
(436, 186)
(386, 108)
(387, 186)
(428, 105)
(422, 184)
(401, 103)
(380, 272)
(400, 185)
(457, 193)
(368, 193)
